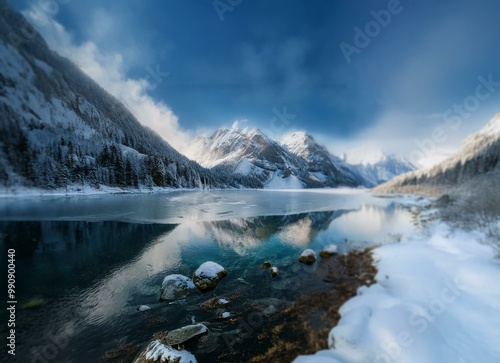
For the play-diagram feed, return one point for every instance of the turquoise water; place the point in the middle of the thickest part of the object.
(84, 264)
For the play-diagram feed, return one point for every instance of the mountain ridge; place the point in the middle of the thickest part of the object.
(250, 155)
(296, 155)
(61, 128)
(479, 154)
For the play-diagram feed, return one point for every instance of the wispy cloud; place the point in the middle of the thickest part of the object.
(108, 69)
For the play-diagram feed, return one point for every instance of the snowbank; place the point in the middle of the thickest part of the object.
(436, 301)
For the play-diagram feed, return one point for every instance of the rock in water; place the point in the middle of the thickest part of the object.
(266, 264)
(143, 308)
(185, 333)
(214, 303)
(208, 275)
(308, 257)
(328, 251)
(274, 271)
(156, 352)
(175, 287)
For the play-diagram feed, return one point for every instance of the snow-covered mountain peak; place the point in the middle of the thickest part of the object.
(301, 144)
(375, 166)
(297, 139)
(297, 136)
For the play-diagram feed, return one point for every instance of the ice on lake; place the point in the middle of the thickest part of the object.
(94, 260)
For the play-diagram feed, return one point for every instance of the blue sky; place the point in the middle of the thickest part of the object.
(252, 58)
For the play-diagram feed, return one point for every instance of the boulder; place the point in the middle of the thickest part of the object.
(266, 264)
(208, 275)
(143, 308)
(156, 352)
(328, 251)
(175, 287)
(183, 334)
(308, 257)
(274, 271)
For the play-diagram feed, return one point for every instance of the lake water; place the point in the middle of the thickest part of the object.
(85, 264)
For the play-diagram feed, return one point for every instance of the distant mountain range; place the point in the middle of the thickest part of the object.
(59, 129)
(294, 161)
(376, 167)
(478, 158)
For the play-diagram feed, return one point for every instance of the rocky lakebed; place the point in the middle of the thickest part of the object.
(282, 312)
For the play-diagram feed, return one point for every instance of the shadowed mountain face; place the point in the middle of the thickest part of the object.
(478, 158)
(60, 128)
(326, 168)
(296, 160)
(252, 158)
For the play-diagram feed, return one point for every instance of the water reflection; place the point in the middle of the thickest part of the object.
(177, 207)
(96, 273)
(245, 234)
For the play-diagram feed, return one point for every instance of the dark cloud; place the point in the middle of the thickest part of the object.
(267, 54)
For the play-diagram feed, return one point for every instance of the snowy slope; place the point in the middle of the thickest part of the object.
(251, 157)
(478, 156)
(278, 182)
(256, 160)
(436, 301)
(329, 170)
(59, 128)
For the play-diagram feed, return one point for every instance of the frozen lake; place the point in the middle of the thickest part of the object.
(84, 264)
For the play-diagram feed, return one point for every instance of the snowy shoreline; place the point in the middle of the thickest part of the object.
(435, 301)
(88, 191)
(21, 192)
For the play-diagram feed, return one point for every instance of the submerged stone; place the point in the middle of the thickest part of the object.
(175, 287)
(185, 333)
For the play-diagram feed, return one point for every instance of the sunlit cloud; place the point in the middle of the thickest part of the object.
(108, 69)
